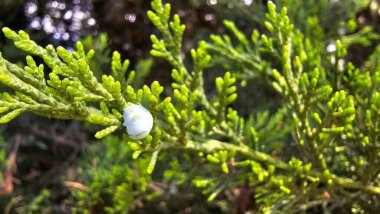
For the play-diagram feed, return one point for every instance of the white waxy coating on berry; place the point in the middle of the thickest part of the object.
(138, 120)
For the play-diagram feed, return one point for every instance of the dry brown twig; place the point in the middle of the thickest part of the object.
(11, 170)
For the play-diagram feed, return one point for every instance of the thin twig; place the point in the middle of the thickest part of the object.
(7, 187)
(211, 146)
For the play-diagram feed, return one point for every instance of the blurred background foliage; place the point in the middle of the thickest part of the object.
(49, 166)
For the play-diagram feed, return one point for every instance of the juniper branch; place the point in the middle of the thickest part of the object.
(210, 146)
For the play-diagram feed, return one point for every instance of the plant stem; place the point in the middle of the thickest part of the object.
(211, 146)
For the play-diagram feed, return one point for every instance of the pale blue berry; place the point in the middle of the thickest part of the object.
(138, 120)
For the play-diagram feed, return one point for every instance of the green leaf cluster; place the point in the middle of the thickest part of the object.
(329, 115)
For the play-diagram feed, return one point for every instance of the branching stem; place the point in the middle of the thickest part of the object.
(211, 146)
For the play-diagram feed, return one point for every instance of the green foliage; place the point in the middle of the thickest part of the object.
(99, 63)
(259, 125)
(330, 112)
(120, 187)
(72, 88)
